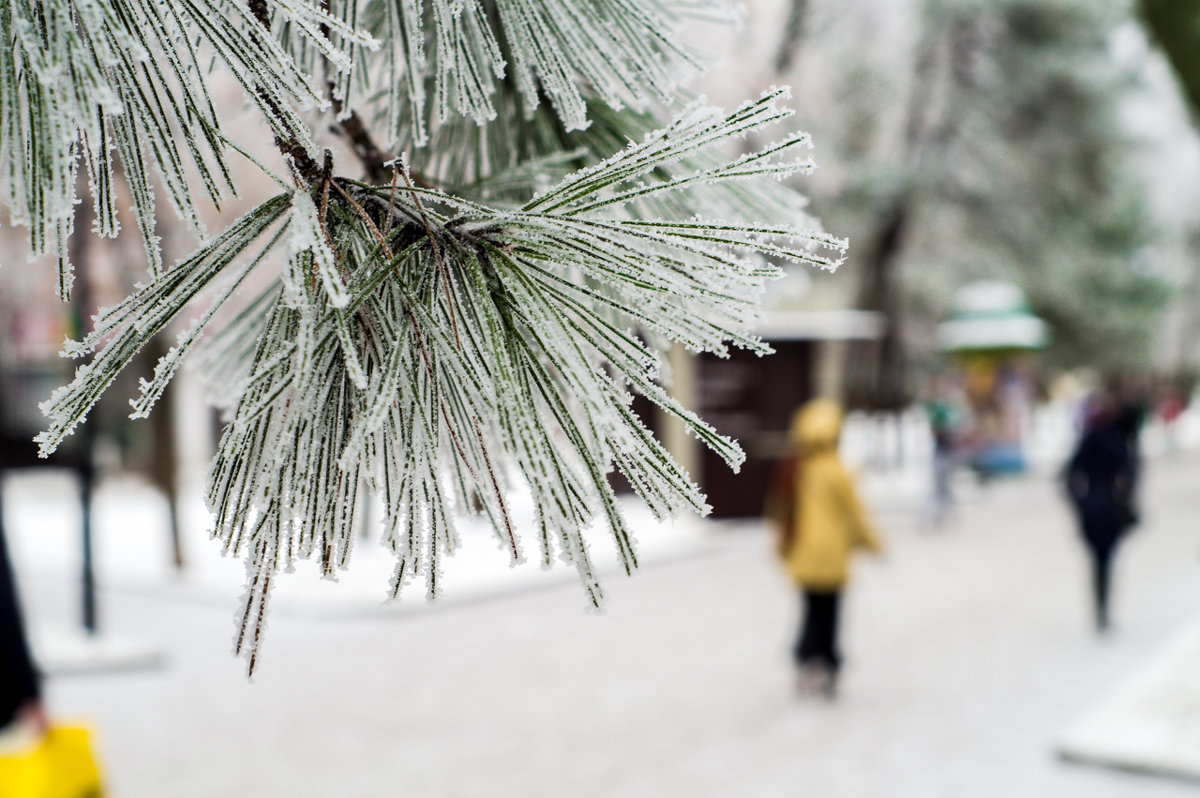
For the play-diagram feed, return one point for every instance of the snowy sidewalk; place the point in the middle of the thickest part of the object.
(1151, 722)
(969, 654)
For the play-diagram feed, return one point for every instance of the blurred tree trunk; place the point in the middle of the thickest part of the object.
(85, 470)
(793, 36)
(164, 457)
(877, 371)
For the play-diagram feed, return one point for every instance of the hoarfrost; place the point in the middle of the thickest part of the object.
(436, 341)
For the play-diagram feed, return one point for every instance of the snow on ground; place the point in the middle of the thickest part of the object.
(133, 551)
(969, 655)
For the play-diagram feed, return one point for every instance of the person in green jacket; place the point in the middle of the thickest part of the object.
(818, 523)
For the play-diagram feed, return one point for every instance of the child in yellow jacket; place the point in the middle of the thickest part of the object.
(818, 521)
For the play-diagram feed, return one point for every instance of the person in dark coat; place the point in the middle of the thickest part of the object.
(1101, 478)
(20, 684)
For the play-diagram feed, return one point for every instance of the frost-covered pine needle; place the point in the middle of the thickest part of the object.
(437, 347)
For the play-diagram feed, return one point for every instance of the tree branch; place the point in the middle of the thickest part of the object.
(373, 159)
(352, 129)
(290, 147)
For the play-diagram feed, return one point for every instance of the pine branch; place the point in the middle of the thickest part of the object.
(288, 143)
(374, 160)
(439, 347)
(484, 338)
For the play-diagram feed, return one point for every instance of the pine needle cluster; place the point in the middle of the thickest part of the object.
(464, 309)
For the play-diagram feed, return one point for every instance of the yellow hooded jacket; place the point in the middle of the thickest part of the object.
(830, 521)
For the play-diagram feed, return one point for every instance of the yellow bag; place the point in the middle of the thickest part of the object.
(60, 766)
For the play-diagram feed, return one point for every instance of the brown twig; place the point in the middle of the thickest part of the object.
(289, 147)
(387, 220)
(458, 447)
(487, 461)
(437, 251)
(373, 159)
(326, 179)
(366, 218)
(259, 9)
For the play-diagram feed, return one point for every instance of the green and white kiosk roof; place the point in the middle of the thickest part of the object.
(991, 315)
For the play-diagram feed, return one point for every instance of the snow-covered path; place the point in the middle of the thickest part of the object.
(969, 651)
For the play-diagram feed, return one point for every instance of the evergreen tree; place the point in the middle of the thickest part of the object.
(461, 297)
(1045, 178)
(987, 139)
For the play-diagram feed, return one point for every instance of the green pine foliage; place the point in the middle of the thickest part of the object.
(465, 308)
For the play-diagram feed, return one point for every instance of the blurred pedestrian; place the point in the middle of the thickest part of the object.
(1170, 408)
(1101, 479)
(946, 414)
(20, 685)
(818, 522)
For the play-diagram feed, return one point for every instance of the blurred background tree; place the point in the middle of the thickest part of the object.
(1008, 140)
(1175, 25)
(1043, 176)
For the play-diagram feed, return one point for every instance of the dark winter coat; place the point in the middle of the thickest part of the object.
(18, 678)
(1101, 477)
